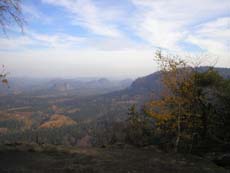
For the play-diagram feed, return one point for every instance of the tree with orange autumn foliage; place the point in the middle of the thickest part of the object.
(174, 111)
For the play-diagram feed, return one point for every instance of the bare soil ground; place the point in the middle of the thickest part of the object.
(32, 158)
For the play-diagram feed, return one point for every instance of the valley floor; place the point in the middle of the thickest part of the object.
(32, 158)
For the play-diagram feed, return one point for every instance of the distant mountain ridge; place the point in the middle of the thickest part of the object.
(152, 82)
(58, 87)
(148, 86)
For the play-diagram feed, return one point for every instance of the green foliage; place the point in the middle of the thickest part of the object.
(139, 128)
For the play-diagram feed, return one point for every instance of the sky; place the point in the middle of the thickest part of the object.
(114, 38)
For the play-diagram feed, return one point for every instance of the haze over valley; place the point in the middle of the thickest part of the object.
(115, 86)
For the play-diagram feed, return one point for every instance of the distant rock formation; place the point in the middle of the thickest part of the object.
(57, 120)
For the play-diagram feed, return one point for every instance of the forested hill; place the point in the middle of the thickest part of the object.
(151, 84)
(111, 106)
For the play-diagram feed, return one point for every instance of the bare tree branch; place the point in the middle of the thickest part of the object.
(11, 13)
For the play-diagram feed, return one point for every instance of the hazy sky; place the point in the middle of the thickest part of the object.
(72, 38)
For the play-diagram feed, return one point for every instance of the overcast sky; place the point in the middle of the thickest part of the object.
(114, 38)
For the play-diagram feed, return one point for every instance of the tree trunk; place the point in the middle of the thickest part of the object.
(178, 129)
